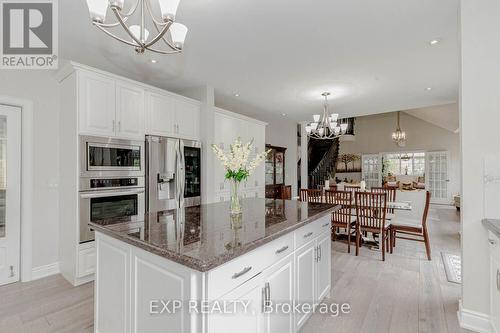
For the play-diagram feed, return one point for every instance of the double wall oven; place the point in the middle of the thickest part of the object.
(111, 181)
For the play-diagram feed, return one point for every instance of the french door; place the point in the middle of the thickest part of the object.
(10, 193)
(437, 176)
(371, 170)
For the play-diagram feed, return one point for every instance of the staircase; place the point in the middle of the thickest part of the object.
(323, 156)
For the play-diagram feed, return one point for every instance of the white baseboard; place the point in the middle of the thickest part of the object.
(474, 321)
(45, 270)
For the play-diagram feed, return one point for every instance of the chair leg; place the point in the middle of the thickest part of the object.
(382, 243)
(348, 239)
(391, 240)
(387, 245)
(427, 244)
(334, 234)
(357, 242)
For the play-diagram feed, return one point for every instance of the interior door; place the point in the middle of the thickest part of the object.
(371, 171)
(437, 177)
(10, 193)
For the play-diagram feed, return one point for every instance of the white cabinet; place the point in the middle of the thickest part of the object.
(279, 286)
(495, 281)
(86, 259)
(110, 107)
(96, 104)
(305, 265)
(172, 116)
(323, 266)
(129, 111)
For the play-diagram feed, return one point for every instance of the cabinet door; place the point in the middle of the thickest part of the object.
(323, 267)
(160, 114)
(305, 265)
(251, 321)
(495, 293)
(187, 116)
(279, 280)
(96, 104)
(129, 111)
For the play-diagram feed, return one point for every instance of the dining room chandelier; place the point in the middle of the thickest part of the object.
(399, 136)
(137, 35)
(327, 126)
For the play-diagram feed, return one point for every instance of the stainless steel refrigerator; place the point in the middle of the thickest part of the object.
(173, 173)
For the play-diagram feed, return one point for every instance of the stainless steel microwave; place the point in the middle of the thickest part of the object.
(108, 157)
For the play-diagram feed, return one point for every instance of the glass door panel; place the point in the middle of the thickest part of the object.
(192, 157)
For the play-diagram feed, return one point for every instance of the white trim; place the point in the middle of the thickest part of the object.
(238, 115)
(474, 321)
(44, 271)
(26, 182)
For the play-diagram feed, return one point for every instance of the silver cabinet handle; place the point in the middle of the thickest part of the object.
(316, 254)
(243, 272)
(114, 127)
(326, 225)
(283, 249)
(309, 234)
(319, 253)
(268, 293)
(263, 303)
(492, 241)
(498, 279)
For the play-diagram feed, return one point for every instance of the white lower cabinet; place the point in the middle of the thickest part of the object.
(305, 264)
(495, 281)
(323, 265)
(86, 259)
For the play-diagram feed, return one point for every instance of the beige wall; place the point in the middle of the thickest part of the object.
(41, 88)
(373, 135)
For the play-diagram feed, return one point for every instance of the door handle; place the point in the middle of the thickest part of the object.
(243, 272)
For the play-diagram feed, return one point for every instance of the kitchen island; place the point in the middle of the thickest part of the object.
(199, 269)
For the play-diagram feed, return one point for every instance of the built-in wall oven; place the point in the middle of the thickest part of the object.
(111, 181)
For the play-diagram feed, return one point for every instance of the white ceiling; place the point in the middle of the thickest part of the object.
(445, 116)
(279, 55)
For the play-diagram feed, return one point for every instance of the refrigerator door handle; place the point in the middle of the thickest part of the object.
(182, 173)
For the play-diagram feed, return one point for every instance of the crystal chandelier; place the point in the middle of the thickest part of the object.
(399, 136)
(326, 127)
(137, 35)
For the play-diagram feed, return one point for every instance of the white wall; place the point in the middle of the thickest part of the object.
(42, 89)
(373, 135)
(479, 121)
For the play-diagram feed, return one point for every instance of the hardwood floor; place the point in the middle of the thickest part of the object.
(406, 293)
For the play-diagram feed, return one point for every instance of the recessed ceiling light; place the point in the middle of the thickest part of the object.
(236, 95)
(434, 42)
(154, 61)
(428, 88)
(283, 114)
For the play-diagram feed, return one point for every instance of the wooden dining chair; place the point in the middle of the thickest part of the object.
(352, 188)
(309, 195)
(371, 217)
(286, 192)
(416, 229)
(341, 218)
(391, 195)
(333, 187)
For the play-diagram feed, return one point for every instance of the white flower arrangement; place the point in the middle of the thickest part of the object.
(236, 161)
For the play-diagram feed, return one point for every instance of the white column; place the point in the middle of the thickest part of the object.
(479, 121)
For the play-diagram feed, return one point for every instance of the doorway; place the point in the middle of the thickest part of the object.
(10, 193)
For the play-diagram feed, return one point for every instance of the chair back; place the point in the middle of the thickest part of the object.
(309, 195)
(391, 194)
(344, 199)
(352, 188)
(286, 192)
(333, 187)
(371, 209)
(426, 208)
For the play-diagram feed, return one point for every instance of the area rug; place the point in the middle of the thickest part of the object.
(453, 267)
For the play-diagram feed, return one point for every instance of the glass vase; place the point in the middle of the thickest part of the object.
(235, 199)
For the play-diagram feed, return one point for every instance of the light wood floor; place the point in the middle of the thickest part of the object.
(406, 293)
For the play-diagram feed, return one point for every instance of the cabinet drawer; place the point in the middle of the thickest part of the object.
(494, 245)
(232, 274)
(312, 230)
(86, 259)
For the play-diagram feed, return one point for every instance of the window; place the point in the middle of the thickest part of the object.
(412, 164)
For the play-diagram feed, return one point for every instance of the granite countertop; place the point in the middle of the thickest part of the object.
(204, 237)
(493, 225)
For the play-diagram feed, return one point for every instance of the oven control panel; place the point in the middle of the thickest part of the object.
(113, 182)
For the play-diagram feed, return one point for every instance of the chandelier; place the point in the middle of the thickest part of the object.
(137, 35)
(399, 136)
(326, 127)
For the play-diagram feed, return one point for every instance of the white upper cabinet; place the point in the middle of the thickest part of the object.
(109, 107)
(172, 116)
(96, 98)
(160, 114)
(129, 110)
